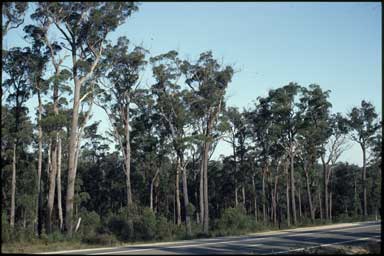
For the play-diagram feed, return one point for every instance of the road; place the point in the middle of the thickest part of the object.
(276, 242)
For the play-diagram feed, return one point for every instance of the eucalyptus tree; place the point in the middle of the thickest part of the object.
(208, 81)
(173, 104)
(51, 50)
(286, 118)
(235, 124)
(313, 132)
(84, 27)
(266, 135)
(364, 123)
(37, 64)
(122, 76)
(15, 65)
(374, 173)
(260, 123)
(334, 145)
(150, 138)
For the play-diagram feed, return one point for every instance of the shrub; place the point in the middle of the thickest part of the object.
(21, 234)
(100, 239)
(89, 221)
(56, 236)
(163, 228)
(119, 227)
(232, 219)
(5, 229)
(145, 225)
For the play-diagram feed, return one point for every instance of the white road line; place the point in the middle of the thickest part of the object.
(78, 250)
(249, 245)
(323, 245)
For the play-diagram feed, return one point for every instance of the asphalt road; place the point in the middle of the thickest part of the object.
(276, 242)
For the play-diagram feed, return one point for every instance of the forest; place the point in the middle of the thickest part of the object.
(151, 176)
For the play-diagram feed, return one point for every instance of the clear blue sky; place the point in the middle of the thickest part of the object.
(336, 45)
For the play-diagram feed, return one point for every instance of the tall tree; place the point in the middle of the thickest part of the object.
(333, 147)
(84, 27)
(122, 71)
(283, 108)
(364, 124)
(235, 124)
(37, 64)
(208, 81)
(15, 64)
(313, 131)
(173, 105)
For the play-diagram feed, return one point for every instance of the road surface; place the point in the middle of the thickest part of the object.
(276, 242)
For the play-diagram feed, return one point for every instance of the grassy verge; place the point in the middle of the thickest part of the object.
(41, 246)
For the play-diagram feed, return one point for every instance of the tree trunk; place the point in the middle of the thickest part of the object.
(201, 190)
(174, 209)
(293, 190)
(364, 174)
(205, 168)
(178, 207)
(263, 197)
(255, 197)
(287, 196)
(274, 200)
(59, 202)
(52, 185)
(235, 165)
(299, 196)
(243, 192)
(197, 212)
(325, 187)
(320, 204)
(128, 158)
(13, 188)
(330, 206)
(55, 158)
(151, 189)
(72, 148)
(186, 199)
(309, 196)
(39, 165)
(156, 207)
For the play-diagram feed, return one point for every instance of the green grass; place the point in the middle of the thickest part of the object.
(41, 246)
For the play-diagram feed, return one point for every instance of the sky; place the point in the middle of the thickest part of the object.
(335, 45)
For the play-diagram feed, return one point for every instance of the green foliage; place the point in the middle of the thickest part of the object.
(141, 227)
(90, 221)
(233, 219)
(163, 228)
(12, 15)
(5, 228)
(99, 239)
(145, 225)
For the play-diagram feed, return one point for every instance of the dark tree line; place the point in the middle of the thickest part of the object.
(284, 164)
